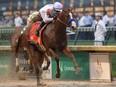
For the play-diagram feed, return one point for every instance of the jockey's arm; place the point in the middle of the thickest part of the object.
(46, 18)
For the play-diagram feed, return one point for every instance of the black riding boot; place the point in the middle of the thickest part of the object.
(41, 25)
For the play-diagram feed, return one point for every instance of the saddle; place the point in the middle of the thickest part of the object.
(33, 38)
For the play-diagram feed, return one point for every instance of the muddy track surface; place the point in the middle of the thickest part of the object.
(55, 83)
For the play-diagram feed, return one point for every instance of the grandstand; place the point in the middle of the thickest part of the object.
(25, 7)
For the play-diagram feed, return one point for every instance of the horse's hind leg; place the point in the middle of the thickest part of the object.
(30, 62)
(15, 57)
(15, 46)
(67, 52)
(15, 49)
(53, 54)
(48, 62)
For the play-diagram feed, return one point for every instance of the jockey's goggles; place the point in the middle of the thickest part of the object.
(56, 10)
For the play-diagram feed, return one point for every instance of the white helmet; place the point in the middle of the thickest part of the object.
(98, 14)
(57, 6)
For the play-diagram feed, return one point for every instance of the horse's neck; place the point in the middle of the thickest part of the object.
(60, 28)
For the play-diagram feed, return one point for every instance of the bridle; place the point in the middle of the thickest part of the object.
(69, 21)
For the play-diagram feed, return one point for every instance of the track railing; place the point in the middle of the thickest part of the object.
(80, 36)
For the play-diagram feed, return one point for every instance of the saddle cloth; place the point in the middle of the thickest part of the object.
(32, 33)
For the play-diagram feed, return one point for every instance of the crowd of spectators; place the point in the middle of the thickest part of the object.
(83, 20)
(87, 20)
(9, 20)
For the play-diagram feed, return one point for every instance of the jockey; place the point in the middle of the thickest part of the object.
(47, 13)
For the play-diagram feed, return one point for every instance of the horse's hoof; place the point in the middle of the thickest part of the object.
(17, 68)
(41, 84)
(57, 75)
(45, 68)
(78, 71)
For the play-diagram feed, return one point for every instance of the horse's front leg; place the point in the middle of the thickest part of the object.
(54, 55)
(67, 52)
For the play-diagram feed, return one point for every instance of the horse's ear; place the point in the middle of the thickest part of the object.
(69, 9)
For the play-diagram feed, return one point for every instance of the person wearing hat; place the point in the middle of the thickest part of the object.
(100, 30)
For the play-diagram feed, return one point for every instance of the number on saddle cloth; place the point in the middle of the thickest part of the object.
(32, 33)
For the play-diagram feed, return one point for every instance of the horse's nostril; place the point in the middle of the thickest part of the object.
(73, 27)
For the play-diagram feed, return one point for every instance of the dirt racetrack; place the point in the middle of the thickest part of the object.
(54, 83)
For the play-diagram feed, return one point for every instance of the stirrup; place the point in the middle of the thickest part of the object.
(42, 47)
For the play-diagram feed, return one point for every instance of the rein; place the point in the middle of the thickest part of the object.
(62, 22)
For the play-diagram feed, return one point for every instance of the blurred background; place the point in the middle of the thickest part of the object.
(79, 7)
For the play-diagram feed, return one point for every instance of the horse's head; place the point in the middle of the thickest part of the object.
(66, 17)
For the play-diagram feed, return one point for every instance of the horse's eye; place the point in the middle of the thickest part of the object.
(67, 15)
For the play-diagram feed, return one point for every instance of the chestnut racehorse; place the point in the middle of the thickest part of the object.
(54, 40)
